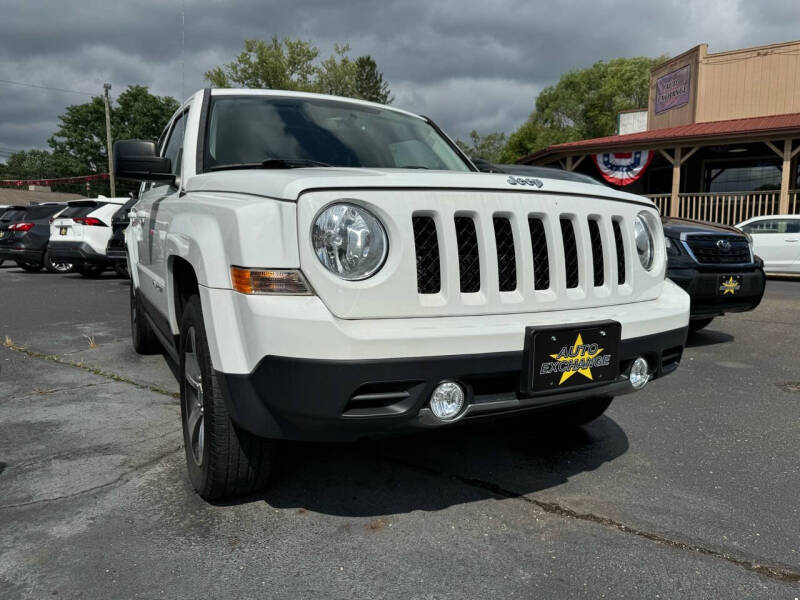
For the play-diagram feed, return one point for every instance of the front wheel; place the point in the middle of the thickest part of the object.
(698, 324)
(56, 267)
(142, 336)
(223, 460)
(121, 269)
(91, 271)
(29, 267)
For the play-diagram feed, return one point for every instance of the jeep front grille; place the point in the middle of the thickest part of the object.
(506, 261)
(469, 264)
(573, 242)
(597, 252)
(570, 252)
(719, 249)
(426, 242)
(541, 263)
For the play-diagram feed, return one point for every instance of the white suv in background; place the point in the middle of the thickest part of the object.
(80, 234)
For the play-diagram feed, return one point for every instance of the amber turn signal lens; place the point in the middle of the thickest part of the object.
(261, 281)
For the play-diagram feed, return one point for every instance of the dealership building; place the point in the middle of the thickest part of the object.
(719, 140)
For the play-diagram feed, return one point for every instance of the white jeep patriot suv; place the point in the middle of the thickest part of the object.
(325, 269)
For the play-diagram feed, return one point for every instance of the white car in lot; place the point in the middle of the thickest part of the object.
(80, 234)
(323, 268)
(776, 239)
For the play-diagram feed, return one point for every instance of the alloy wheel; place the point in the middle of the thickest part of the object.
(193, 397)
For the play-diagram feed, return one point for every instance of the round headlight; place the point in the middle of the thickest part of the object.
(349, 241)
(644, 241)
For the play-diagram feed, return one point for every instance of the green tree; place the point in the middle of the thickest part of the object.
(369, 83)
(583, 104)
(486, 147)
(81, 135)
(293, 65)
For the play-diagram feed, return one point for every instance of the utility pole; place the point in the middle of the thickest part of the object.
(106, 88)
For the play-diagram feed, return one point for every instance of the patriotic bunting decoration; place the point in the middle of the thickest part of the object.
(27, 182)
(622, 168)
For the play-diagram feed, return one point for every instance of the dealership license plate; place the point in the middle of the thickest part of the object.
(729, 285)
(559, 358)
(62, 231)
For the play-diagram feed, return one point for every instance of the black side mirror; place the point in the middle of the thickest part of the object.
(139, 160)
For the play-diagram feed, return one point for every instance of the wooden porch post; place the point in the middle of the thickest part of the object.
(674, 206)
(783, 204)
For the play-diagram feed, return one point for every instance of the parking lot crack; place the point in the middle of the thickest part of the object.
(89, 369)
(122, 478)
(773, 572)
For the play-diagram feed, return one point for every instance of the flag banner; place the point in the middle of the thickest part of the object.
(622, 168)
(27, 182)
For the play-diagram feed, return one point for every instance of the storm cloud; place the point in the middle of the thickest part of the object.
(468, 65)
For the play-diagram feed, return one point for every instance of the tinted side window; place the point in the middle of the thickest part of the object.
(13, 215)
(175, 143)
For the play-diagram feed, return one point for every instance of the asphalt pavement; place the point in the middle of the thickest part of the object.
(689, 489)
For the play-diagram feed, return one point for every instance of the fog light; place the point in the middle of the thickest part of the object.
(640, 373)
(447, 400)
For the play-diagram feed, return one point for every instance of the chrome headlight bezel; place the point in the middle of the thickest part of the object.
(644, 240)
(328, 249)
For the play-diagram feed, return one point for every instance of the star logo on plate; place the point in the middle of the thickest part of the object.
(579, 358)
(730, 286)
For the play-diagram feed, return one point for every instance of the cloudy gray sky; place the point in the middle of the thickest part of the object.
(467, 64)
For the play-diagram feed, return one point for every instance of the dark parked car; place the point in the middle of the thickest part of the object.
(116, 249)
(716, 266)
(24, 234)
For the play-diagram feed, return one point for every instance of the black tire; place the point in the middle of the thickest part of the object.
(576, 413)
(698, 324)
(223, 460)
(56, 267)
(29, 267)
(142, 336)
(91, 271)
(121, 269)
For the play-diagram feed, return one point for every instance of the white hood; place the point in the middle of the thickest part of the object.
(289, 184)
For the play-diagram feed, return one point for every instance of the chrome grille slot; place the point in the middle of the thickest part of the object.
(469, 264)
(506, 259)
(426, 246)
(597, 252)
(570, 252)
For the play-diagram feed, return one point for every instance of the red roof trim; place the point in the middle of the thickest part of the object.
(712, 129)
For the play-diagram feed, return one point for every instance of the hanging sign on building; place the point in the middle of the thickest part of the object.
(622, 168)
(672, 90)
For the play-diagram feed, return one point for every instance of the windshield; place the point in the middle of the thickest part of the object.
(247, 130)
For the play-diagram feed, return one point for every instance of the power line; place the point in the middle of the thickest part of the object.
(44, 87)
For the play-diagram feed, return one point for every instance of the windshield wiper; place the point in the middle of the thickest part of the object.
(272, 163)
(291, 163)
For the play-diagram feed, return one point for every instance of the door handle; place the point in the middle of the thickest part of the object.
(792, 240)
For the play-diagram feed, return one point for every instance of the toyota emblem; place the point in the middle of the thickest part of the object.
(724, 245)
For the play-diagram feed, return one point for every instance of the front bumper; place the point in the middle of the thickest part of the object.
(703, 288)
(272, 360)
(307, 399)
(76, 253)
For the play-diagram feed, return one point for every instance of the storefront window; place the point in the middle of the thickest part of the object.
(742, 176)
